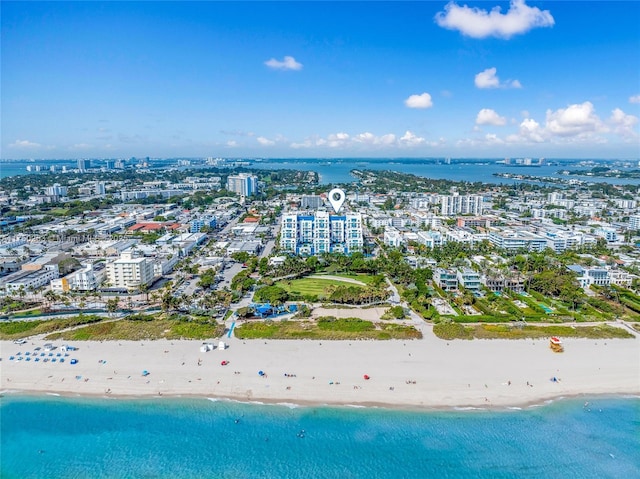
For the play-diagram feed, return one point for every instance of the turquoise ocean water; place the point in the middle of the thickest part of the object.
(46, 437)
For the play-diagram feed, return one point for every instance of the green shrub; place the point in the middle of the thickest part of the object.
(355, 325)
(452, 331)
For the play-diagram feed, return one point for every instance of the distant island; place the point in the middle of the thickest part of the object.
(602, 171)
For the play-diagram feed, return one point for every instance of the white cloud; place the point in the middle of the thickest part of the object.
(232, 143)
(487, 116)
(634, 99)
(575, 120)
(366, 137)
(336, 140)
(265, 141)
(419, 101)
(489, 79)
(289, 63)
(493, 139)
(477, 23)
(623, 124)
(363, 141)
(24, 145)
(411, 139)
(577, 123)
(530, 132)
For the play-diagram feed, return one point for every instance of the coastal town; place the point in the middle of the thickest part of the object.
(226, 242)
(98, 261)
(319, 239)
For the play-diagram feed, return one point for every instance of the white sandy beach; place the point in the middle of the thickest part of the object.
(421, 373)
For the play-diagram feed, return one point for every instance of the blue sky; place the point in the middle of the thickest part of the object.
(320, 79)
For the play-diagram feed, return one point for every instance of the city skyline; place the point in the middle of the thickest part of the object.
(320, 79)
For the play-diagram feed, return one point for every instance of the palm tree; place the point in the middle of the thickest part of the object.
(113, 305)
(144, 288)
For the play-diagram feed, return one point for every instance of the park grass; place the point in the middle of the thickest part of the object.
(24, 329)
(312, 286)
(27, 313)
(58, 211)
(367, 279)
(508, 331)
(136, 330)
(325, 328)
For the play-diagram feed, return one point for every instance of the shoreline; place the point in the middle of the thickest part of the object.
(540, 403)
(421, 374)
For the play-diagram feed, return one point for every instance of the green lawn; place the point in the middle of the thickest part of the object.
(312, 286)
(59, 211)
(365, 278)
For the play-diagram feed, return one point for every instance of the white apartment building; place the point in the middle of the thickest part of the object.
(392, 237)
(468, 278)
(427, 219)
(86, 279)
(451, 205)
(430, 238)
(25, 281)
(243, 184)
(321, 233)
(625, 204)
(56, 190)
(634, 222)
(379, 221)
(466, 237)
(311, 202)
(621, 278)
(588, 276)
(424, 202)
(607, 233)
(559, 240)
(129, 272)
(514, 240)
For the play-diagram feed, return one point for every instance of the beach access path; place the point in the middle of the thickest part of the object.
(425, 373)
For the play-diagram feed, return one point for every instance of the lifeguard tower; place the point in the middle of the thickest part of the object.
(556, 345)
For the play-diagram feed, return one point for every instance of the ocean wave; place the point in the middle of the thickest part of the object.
(9, 391)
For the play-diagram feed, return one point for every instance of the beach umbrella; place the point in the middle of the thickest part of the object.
(366, 376)
(260, 373)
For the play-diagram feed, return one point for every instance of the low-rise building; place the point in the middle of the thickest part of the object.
(129, 272)
(514, 240)
(27, 280)
(588, 276)
(468, 279)
(446, 279)
(88, 278)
